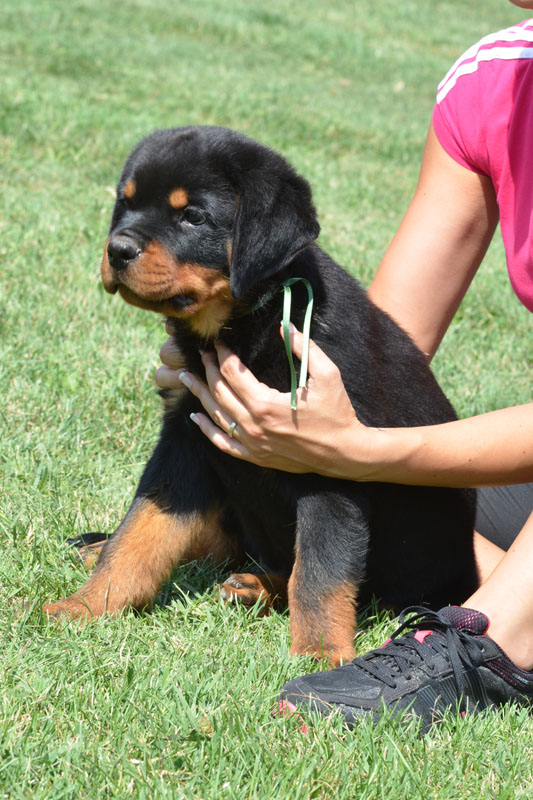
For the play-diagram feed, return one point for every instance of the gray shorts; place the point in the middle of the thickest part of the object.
(502, 512)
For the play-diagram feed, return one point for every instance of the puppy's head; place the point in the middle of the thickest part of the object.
(202, 215)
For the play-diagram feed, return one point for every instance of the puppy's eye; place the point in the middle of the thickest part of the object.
(193, 216)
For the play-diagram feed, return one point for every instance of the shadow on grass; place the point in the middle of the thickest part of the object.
(190, 581)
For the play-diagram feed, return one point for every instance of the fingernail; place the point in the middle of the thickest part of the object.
(292, 329)
(194, 418)
(185, 378)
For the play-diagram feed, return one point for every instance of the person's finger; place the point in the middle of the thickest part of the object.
(167, 378)
(320, 365)
(221, 391)
(240, 380)
(171, 355)
(200, 390)
(220, 439)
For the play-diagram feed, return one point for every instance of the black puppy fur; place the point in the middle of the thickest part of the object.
(196, 208)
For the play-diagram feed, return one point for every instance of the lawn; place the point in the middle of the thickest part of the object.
(177, 703)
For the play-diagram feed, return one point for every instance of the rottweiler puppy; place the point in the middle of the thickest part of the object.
(206, 226)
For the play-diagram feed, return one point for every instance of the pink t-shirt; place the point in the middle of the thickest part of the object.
(483, 118)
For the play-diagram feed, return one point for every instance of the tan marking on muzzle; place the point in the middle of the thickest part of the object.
(110, 284)
(152, 279)
(153, 276)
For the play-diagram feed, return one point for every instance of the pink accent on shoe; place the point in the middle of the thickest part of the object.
(485, 632)
(288, 709)
(286, 705)
(420, 636)
(385, 643)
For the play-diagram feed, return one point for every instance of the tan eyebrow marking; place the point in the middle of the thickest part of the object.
(178, 198)
(130, 189)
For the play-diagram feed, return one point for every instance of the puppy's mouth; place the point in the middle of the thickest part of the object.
(153, 279)
(177, 305)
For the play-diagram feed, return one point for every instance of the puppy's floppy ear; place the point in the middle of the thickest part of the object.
(275, 219)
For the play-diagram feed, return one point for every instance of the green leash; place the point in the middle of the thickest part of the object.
(287, 301)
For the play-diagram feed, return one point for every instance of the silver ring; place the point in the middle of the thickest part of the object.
(231, 430)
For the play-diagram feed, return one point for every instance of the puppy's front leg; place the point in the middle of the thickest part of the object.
(136, 560)
(329, 566)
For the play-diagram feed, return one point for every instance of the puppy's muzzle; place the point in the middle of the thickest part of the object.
(121, 251)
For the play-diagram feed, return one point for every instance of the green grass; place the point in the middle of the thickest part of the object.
(177, 703)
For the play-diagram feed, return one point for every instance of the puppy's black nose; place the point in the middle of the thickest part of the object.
(121, 250)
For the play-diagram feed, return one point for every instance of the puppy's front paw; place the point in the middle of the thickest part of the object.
(330, 654)
(73, 607)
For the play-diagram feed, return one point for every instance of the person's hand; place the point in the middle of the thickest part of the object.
(173, 361)
(167, 375)
(267, 431)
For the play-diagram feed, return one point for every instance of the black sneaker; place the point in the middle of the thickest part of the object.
(433, 662)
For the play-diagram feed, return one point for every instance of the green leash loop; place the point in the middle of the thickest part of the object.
(287, 301)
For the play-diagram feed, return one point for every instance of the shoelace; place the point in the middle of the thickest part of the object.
(398, 658)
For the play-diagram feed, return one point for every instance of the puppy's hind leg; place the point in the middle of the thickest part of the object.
(330, 561)
(248, 588)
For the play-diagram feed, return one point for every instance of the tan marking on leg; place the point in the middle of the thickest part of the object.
(178, 198)
(246, 588)
(140, 556)
(130, 189)
(322, 623)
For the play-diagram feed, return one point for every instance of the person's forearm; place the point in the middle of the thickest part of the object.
(489, 450)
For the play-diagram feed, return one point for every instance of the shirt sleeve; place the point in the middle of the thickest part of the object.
(458, 118)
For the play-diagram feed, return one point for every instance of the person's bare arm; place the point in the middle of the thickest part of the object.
(420, 283)
(438, 247)
(487, 450)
